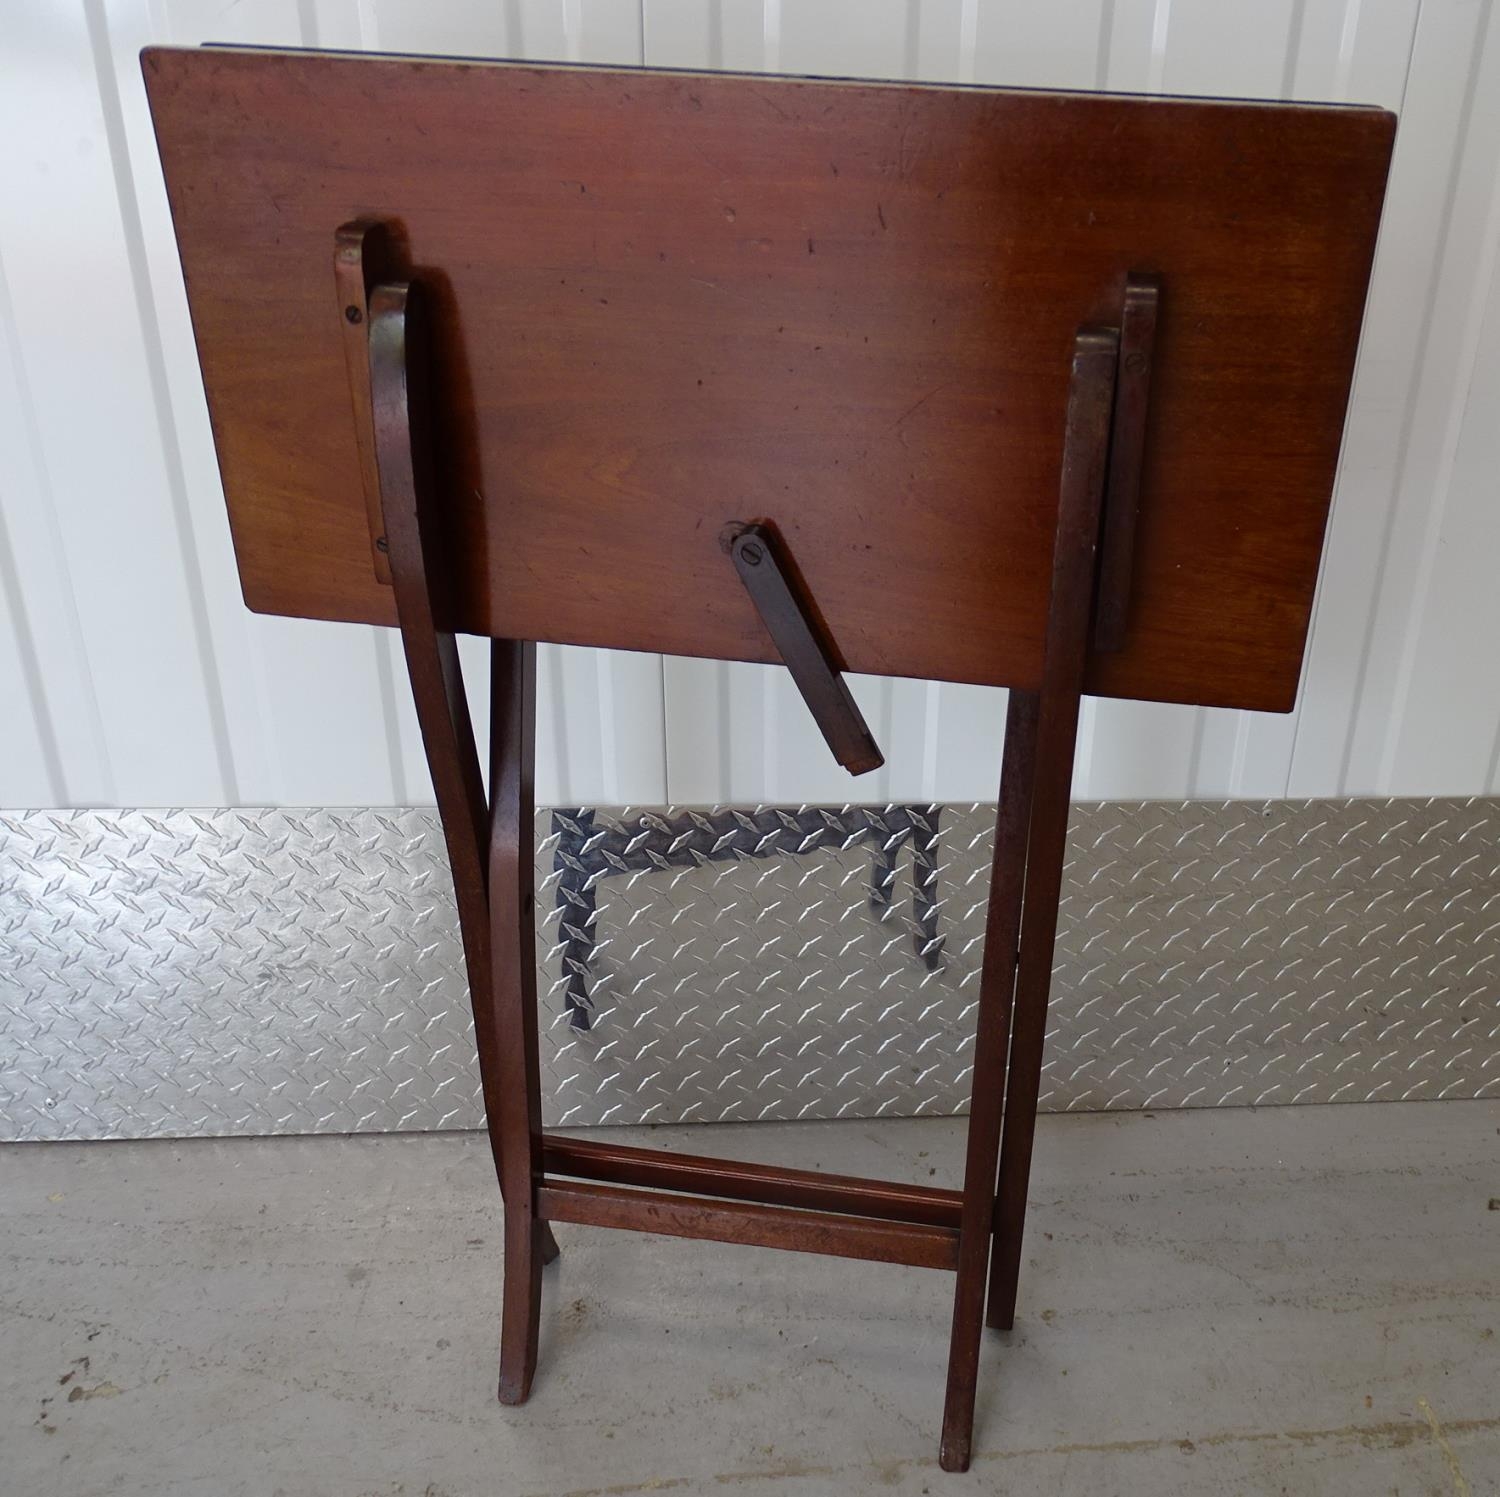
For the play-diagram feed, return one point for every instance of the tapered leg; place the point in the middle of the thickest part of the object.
(1033, 980)
(1040, 737)
(1057, 737)
(513, 997)
(1038, 935)
(1002, 924)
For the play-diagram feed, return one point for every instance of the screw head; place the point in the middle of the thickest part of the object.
(381, 544)
(752, 554)
(353, 315)
(1136, 362)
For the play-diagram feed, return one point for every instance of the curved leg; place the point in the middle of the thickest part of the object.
(421, 581)
(513, 998)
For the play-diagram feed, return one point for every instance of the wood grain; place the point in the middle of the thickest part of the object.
(667, 302)
(794, 1231)
(772, 1185)
(1030, 842)
(796, 629)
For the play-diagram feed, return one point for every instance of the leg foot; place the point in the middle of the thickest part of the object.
(954, 1453)
(1005, 1272)
(521, 1315)
(998, 1319)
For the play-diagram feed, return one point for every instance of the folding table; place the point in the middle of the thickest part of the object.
(1028, 389)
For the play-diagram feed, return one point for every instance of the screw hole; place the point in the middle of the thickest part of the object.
(354, 315)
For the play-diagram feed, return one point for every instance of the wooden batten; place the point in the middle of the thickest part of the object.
(747, 1223)
(772, 1185)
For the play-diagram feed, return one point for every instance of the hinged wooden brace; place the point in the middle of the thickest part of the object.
(791, 620)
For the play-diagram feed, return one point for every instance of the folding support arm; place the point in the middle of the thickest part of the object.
(791, 621)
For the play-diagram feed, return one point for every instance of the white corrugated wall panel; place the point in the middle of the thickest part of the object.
(137, 675)
(1419, 674)
(1412, 378)
(134, 675)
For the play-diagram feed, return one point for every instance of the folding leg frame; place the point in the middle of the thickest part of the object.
(545, 1179)
(489, 848)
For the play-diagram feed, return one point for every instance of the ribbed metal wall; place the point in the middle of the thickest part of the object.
(133, 676)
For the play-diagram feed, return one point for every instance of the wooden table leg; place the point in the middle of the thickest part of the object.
(997, 975)
(1057, 737)
(513, 995)
(495, 923)
(1028, 866)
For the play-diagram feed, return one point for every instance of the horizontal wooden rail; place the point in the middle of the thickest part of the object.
(768, 1183)
(747, 1223)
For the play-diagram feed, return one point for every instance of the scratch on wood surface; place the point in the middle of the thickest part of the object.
(917, 404)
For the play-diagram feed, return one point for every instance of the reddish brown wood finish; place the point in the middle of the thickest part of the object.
(362, 256)
(513, 942)
(1029, 843)
(666, 301)
(1056, 740)
(987, 1089)
(873, 1220)
(745, 1222)
(666, 304)
(1127, 452)
(493, 891)
(769, 1184)
(398, 443)
(791, 619)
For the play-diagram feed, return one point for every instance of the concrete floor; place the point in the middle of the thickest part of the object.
(1302, 1300)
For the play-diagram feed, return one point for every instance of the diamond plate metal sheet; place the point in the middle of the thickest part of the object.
(291, 971)
(229, 972)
